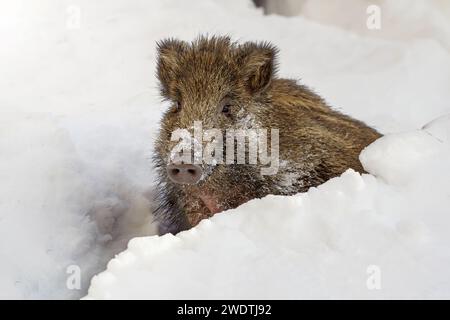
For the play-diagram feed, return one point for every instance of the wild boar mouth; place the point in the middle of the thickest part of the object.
(211, 203)
(211, 207)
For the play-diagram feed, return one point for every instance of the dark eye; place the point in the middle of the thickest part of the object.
(226, 109)
(225, 106)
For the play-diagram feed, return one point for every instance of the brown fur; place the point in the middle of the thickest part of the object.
(316, 142)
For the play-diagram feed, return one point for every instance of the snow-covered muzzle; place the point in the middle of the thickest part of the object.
(194, 157)
(204, 165)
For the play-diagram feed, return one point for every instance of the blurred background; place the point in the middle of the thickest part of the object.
(402, 20)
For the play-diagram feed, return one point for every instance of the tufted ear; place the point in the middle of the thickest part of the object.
(258, 65)
(169, 58)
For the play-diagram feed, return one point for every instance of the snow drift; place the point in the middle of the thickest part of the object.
(320, 244)
(79, 108)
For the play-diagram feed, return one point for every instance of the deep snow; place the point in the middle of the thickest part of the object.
(324, 243)
(79, 109)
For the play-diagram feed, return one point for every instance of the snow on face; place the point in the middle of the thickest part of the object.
(356, 236)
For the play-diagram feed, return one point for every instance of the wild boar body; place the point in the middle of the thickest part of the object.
(232, 86)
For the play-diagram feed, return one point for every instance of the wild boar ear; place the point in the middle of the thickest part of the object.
(258, 65)
(170, 52)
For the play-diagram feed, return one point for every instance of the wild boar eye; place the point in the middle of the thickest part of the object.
(226, 105)
(226, 109)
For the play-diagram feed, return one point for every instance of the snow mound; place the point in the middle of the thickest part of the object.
(325, 243)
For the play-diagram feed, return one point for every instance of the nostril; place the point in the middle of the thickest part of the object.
(184, 173)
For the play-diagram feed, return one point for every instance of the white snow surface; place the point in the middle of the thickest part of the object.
(320, 244)
(79, 110)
